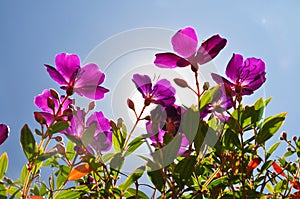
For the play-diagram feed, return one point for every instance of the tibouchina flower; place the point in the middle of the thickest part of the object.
(246, 75)
(185, 43)
(166, 120)
(85, 80)
(102, 140)
(161, 93)
(4, 132)
(41, 101)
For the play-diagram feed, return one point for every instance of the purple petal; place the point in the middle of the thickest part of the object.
(184, 144)
(210, 48)
(77, 125)
(4, 133)
(88, 80)
(234, 67)
(143, 84)
(41, 101)
(92, 92)
(48, 117)
(221, 80)
(102, 123)
(170, 60)
(158, 134)
(67, 64)
(163, 93)
(252, 68)
(55, 75)
(89, 75)
(185, 42)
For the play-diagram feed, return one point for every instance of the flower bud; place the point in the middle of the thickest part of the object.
(92, 105)
(181, 83)
(283, 135)
(58, 138)
(206, 86)
(147, 102)
(54, 94)
(70, 91)
(50, 103)
(130, 104)
(39, 118)
(295, 138)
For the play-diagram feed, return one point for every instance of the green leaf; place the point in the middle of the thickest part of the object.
(269, 127)
(72, 193)
(190, 123)
(62, 175)
(117, 162)
(2, 191)
(28, 142)
(219, 181)
(45, 156)
(141, 194)
(135, 143)
(132, 178)
(207, 97)
(156, 177)
(168, 153)
(117, 138)
(88, 135)
(58, 127)
(3, 165)
(184, 169)
(43, 189)
(272, 149)
(70, 152)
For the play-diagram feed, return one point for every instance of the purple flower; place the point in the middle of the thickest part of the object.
(161, 93)
(4, 132)
(48, 113)
(220, 103)
(102, 139)
(185, 43)
(246, 75)
(84, 80)
(166, 120)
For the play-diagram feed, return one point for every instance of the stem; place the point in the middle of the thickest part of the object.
(198, 89)
(133, 128)
(31, 164)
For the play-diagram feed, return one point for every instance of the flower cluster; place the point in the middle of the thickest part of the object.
(201, 150)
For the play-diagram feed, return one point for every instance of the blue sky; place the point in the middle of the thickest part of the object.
(33, 33)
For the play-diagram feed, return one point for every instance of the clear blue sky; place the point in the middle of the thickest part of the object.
(32, 32)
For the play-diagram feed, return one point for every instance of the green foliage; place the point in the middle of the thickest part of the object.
(28, 142)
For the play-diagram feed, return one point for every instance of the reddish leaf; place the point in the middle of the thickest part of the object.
(278, 169)
(36, 197)
(295, 184)
(295, 195)
(79, 171)
(253, 164)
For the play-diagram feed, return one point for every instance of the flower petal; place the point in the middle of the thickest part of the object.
(210, 48)
(67, 64)
(170, 60)
(92, 92)
(220, 80)
(41, 101)
(55, 75)
(77, 125)
(185, 42)
(163, 93)
(102, 123)
(234, 67)
(89, 75)
(4, 132)
(143, 84)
